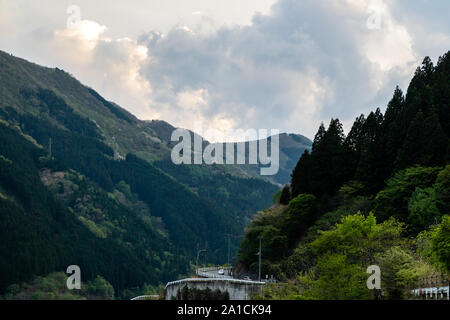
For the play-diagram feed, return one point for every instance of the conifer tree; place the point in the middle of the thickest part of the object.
(412, 149)
(327, 159)
(300, 182)
(370, 166)
(319, 136)
(285, 196)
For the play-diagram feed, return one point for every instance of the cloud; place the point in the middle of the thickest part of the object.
(111, 66)
(304, 62)
(298, 64)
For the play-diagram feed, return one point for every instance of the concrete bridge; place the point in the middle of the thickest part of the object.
(211, 279)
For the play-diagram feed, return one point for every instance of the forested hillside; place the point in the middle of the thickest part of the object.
(379, 195)
(85, 182)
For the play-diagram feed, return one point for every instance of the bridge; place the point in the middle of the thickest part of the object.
(209, 278)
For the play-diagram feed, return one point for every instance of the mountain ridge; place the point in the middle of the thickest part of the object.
(110, 176)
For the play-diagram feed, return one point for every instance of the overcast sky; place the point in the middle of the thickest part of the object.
(275, 64)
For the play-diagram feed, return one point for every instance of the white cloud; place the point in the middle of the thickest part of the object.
(291, 67)
(303, 63)
(111, 66)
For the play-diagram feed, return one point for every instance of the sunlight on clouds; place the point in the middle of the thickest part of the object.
(112, 66)
(297, 64)
(83, 29)
(391, 45)
(193, 100)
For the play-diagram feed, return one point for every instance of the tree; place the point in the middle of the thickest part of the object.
(442, 187)
(423, 210)
(427, 70)
(319, 136)
(327, 160)
(392, 140)
(338, 280)
(101, 288)
(359, 238)
(394, 108)
(320, 172)
(441, 91)
(400, 272)
(300, 177)
(441, 243)
(370, 168)
(353, 145)
(285, 196)
(393, 200)
(301, 215)
(435, 142)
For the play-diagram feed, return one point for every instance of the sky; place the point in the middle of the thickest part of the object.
(233, 64)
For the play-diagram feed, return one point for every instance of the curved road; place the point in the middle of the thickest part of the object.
(214, 273)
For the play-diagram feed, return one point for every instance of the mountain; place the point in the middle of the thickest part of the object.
(291, 147)
(83, 181)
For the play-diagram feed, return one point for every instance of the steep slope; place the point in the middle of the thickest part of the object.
(391, 169)
(92, 161)
(110, 175)
(39, 234)
(23, 82)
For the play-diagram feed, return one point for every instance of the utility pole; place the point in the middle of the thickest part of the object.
(259, 258)
(196, 264)
(206, 254)
(50, 148)
(228, 259)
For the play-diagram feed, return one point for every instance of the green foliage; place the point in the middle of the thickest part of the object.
(93, 227)
(393, 200)
(338, 279)
(281, 229)
(279, 291)
(118, 112)
(391, 167)
(423, 210)
(239, 196)
(300, 216)
(359, 238)
(146, 218)
(55, 238)
(53, 287)
(441, 243)
(101, 288)
(400, 272)
(442, 187)
(351, 189)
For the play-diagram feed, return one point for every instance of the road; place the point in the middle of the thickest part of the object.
(214, 273)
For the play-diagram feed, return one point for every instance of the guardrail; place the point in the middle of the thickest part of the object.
(237, 281)
(437, 293)
(436, 287)
(148, 297)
